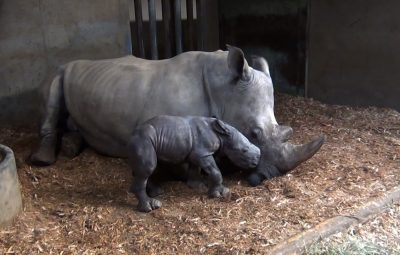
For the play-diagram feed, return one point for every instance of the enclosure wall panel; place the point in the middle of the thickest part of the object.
(354, 55)
(38, 36)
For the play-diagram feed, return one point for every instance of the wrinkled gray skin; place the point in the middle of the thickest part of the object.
(107, 99)
(190, 139)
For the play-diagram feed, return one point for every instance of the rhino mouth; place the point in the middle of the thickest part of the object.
(279, 156)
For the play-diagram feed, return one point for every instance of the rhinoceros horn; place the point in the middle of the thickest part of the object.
(280, 156)
(285, 155)
(283, 133)
(293, 155)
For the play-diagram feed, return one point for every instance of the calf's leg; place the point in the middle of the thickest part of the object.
(153, 188)
(143, 161)
(216, 189)
(194, 178)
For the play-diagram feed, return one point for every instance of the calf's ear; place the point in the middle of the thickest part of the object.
(220, 127)
(237, 64)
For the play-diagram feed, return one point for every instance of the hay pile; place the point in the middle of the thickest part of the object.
(379, 235)
(82, 205)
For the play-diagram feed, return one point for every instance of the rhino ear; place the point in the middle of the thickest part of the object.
(260, 64)
(220, 127)
(237, 63)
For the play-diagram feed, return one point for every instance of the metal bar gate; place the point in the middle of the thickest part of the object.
(176, 33)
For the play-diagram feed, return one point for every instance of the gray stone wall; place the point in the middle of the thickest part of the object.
(36, 36)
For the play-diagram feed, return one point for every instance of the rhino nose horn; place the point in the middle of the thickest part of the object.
(284, 133)
(294, 155)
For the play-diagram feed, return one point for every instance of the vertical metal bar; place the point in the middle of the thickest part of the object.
(178, 26)
(189, 11)
(166, 15)
(131, 10)
(204, 23)
(307, 50)
(200, 21)
(153, 29)
(300, 68)
(139, 27)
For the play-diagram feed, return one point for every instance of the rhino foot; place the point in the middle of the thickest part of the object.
(46, 153)
(219, 192)
(72, 144)
(263, 173)
(149, 205)
(154, 191)
(197, 185)
(255, 179)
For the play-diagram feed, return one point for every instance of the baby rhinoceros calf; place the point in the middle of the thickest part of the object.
(186, 139)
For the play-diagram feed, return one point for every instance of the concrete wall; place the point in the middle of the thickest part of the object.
(354, 52)
(36, 36)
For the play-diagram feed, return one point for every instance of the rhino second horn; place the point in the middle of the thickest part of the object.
(284, 133)
(294, 155)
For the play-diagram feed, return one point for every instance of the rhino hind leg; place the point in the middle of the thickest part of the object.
(45, 154)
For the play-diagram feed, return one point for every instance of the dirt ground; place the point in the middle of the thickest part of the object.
(82, 205)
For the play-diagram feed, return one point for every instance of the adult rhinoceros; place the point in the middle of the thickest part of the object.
(107, 99)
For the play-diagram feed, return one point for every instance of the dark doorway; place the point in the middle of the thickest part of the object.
(274, 29)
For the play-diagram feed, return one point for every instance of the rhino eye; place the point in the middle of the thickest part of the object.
(256, 133)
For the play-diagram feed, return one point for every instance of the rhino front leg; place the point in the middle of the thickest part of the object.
(49, 133)
(264, 171)
(216, 189)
